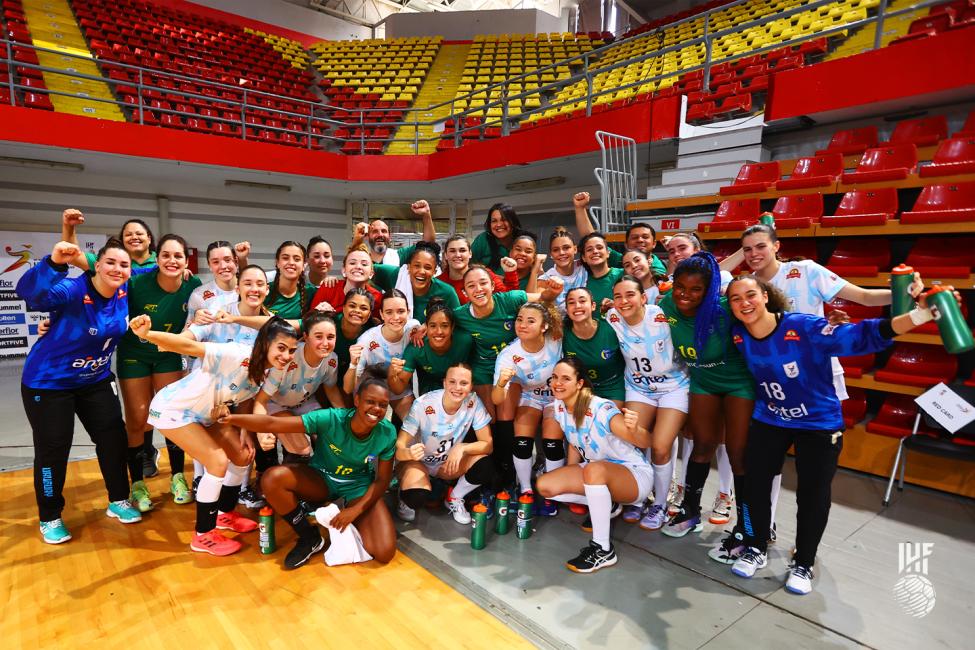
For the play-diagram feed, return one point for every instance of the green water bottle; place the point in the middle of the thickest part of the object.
(901, 278)
(501, 503)
(479, 530)
(525, 508)
(265, 536)
(955, 333)
(767, 219)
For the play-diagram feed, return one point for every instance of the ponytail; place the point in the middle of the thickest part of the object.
(584, 396)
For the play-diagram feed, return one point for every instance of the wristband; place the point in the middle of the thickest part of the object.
(920, 316)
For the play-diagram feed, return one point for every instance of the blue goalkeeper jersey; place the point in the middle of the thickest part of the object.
(85, 328)
(792, 369)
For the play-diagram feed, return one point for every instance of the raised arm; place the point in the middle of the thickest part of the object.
(70, 220)
(580, 203)
(166, 342)
(398, 378)
(42, 287)
(422, 209)
(266, 423)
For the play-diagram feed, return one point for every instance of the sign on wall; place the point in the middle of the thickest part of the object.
(19, 251)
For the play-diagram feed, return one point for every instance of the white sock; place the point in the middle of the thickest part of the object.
(726, 478)
(776, 486)
(674, 453)
(569, 497)
(235, 475)
(685, 458)
(209, 489)
(600, 505)
(197, 468)
(554, 464)
(662, 475)
(463, 488)
(523, 469)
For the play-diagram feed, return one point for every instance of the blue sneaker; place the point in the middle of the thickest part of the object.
(55, 532)
(545, 508)
(124, 512)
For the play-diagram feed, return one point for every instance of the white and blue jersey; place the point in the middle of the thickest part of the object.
(211, 297)
(439, 431)
(223, 333)
(652, 365)
(593, 439)
(578, 278)
(220, 379)
(533, 371)
(794, 383)
(85, 327)
(298, 382)
(377, 350)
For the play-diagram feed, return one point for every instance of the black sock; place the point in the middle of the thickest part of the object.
(206, 516)
(298, 519)
(739, 500)
(177, 457)
(415, 498)
(503, 432)
(227, 501)
(133, 458)
(697, 476)
(147, 443)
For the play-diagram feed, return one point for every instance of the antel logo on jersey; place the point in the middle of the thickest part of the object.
(208, 294)
(737, 340)
(373, 346)
(430, 411)
(790, 335)
(794, 274)
(92, 363)
(614, 318)
(659, 318)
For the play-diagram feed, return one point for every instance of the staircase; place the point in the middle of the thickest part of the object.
(440, 85)
(52, 25)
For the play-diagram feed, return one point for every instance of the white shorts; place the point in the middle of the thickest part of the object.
(309, 405)
(643, 475)
(433, 468)
(543, 403)
(673, 399)
(175, 418)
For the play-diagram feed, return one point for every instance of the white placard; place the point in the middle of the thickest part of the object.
(947, 407)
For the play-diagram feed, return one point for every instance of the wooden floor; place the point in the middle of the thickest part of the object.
(140, 586)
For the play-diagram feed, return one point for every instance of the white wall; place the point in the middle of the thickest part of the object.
(465, 25)
(290, 16)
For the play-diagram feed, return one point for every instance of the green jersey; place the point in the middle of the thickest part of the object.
(347, 461)
(481, 253)
(342, 346)
(718, 369)
(92, 258)
(385, 279)
(431, 367)
(290, 308)
(616, 261)
(602, 358)
(492, 333)
(603, 287)
(166, 310)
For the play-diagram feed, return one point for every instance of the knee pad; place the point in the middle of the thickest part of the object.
(482, 472)
(554, 450)
(523, 447)
(415, 498)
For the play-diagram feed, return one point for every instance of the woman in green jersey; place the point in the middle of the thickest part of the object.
(495, 242)
(524, 251)
(595, 258)
(290, 294)
(352, 458)
(135, 235)
(722, 390)
(416, 279)
(594, 343)
(443, 346)
(356, 318)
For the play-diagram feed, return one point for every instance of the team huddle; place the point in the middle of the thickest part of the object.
(467, 365)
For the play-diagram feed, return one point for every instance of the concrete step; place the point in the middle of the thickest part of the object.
(678, 190)
(704, 173)
(723, 140)
(750, 153)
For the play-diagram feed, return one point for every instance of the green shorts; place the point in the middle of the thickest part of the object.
(483, 372)
(134, 366)
(348, 490)
(615, 390)
(714, 383)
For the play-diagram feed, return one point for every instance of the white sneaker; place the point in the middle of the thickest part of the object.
(675, 498)
(405, 513)
(655, 517)
(721, 511)
(749, 562)
(457, 509)
(800, 580)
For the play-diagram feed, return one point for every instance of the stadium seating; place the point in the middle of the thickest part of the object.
(854, 310)
(851, 141)
(889, 162)
(967, 129)
(943, 257)
(813, 172)
(917, 364)
(856, 366)
(860, 256)
(795, 248)
(855, 407)
(733, 215)
(953, 156)
(951, 203)
(921, 132)
(864, 208)
(896, 418)
(798, 210)
(753, 177)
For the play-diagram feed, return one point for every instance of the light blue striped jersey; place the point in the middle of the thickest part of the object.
(593, 438)
(652, 364)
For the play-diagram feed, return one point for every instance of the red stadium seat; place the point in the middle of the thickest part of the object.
(852, 141)
(896, 418)
(37, 100)
(937, 257)
(792, 248)
(753, 177)
(734, 106)
(917, 364)
(814, 171)
(798, 210)
(854, 310)
(950, 203)
(921, 132)
(967, 129)
(954, 156)
(860, 256)
(864, 208)
(855, 407)
(733, 215)
(885, 163)
(700, 112)
(856, 366)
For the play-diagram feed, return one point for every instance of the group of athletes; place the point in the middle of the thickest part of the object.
(457, 365)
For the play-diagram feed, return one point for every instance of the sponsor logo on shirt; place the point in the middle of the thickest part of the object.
(122, 293)
(517, 359)
(607, 354)
(87, 300)
(332, 363)
(793, 274)
(791, 335)
(154, 414)
(659, 318)
(334, 448)
(92, 363)
(292, 366)
(373, 346)
(791, 369)
(151, 309)
(588, 413)
(208, 294)
(93, 331)
(509, 325)
(737, 340)
(245, 363)
(430, 410)
(614, 318)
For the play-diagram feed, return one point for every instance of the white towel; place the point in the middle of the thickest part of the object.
(404, 285)
(346, 546)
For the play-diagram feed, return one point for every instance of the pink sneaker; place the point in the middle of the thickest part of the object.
(214, 543)
(578, 509)
(233, 521)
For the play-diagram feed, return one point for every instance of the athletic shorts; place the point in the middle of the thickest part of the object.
(348, 490)
(713, 384)
(483, 373)
(615, 391)
(433, 468)
(643, 474)
(543, 403)
(145, 365)
(164, 419)
(674, 399)
(309, 405)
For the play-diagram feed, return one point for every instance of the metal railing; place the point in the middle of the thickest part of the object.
(617, 180)
(318, 118)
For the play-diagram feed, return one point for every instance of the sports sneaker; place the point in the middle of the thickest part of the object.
(750, 561)
(249, 498)
(586, 524)
(214, 543)
(683, 523)
(675, 498)
(237, 523)
(772, 537)
(633, 512)
(123, 511)
(150, 464)
(546, 508)
(592, 558)
(404, 512)
(140, 496)
(721, 510)
(800, 580)
(196, 484)
(55, 532)
(303, 550)
(655, 517)
(181, 491)
(578, 509)
(617, 509)
(728, 550)
(457, 508)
